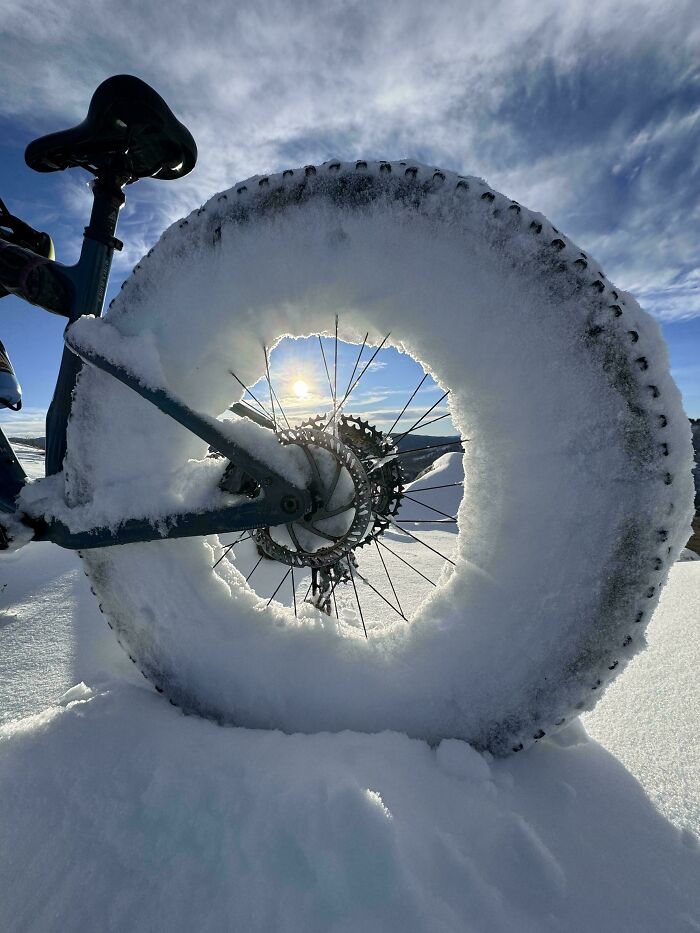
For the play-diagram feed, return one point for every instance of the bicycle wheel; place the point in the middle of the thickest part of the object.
(576, 452)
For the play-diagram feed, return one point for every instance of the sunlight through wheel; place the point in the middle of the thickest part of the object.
(576, 452)
(359, 475)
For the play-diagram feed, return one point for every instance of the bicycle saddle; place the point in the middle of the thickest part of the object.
(128, 127)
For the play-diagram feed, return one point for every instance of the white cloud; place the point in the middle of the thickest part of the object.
(30, 422)
(584, 111)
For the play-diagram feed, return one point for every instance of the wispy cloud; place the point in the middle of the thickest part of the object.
(588, 112)
(30, 422)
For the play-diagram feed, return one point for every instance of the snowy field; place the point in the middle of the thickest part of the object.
(119, 813)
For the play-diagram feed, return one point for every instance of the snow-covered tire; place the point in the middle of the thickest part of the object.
(578, 493)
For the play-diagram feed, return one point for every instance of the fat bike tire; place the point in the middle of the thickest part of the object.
(578, 492)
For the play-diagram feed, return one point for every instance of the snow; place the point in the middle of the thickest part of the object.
(446, 473)
(31, 458)
(91, 337)
(17, 532)
(573, 430)
(662, 750)
(120, 813)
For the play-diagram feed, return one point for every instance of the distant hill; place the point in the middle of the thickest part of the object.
(415, 463)
(38, 442)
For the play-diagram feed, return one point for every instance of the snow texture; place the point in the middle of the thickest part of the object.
(578, 462)
(119, 813)
(16, 531)
(446, 473)
(662, 750)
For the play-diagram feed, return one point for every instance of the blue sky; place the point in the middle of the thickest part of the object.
(586, 111)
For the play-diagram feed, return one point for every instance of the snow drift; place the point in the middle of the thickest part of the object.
(118, 813)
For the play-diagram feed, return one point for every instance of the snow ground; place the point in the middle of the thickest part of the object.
(119, 813)
(31, 458)
(650, 717)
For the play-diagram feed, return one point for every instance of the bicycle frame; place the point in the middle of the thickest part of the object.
(74, 291)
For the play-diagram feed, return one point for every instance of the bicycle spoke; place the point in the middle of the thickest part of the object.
(335, 367)
(328, 375)
(432, 420)
(414, 450)
(273, 395)
(269, 383)
(427, 521)
(381, 595)
(355, 384)
(431, 507)
(444, 486)
(417, 423)
(403, 560)
(228, 548)
(254, 569)
(246, 389)
(294, 593)
(279, 586)
(335, 604)
(429, 547)
(279, 405)
(352, 577)
(404, 453)
(415, 391)
(364, 370)
(357, 362)
(388, 576)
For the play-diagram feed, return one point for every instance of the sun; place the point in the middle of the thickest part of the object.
(301, 389)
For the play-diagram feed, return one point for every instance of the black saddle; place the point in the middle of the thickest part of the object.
(128, 129)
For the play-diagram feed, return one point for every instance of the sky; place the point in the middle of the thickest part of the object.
(382, 386)
(586, 111)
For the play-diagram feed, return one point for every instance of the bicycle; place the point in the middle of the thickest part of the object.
(383, 242)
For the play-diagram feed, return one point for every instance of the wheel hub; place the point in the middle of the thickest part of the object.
(352, 501)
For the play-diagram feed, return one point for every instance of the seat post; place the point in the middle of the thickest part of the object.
(91, 273)
(89, 278)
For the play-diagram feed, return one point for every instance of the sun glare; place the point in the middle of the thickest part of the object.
(301, 389)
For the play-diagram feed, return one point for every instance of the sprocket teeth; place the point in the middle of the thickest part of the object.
(367, 444)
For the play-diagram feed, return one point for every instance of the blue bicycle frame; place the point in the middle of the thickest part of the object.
(73, 291)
